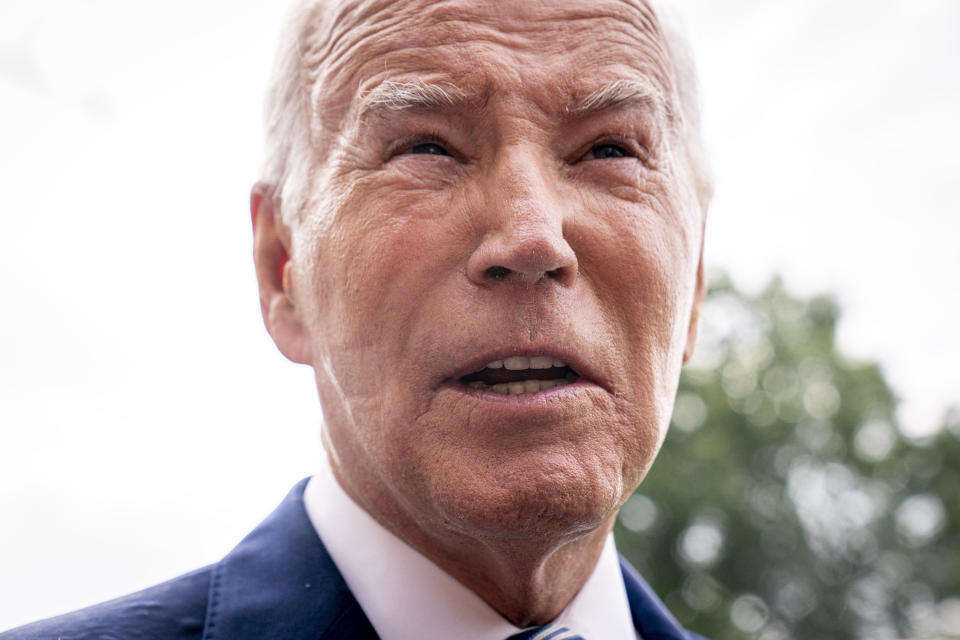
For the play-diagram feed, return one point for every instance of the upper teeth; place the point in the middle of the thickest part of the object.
(515, 363)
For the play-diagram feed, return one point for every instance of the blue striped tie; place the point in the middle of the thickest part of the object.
(547, 632)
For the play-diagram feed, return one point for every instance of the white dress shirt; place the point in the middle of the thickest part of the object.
(407, 597)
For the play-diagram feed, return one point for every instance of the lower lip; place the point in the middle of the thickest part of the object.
(535, 398)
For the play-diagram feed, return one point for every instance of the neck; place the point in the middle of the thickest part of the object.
(529, 582)
(528, 577)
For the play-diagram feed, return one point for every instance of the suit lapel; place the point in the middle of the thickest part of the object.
(279, 583)
(650, 616)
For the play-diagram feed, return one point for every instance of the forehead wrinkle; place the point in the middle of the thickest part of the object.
(333, 34)
(335, 37)
(330, 37)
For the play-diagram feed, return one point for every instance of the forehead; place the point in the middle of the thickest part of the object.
(496, 46)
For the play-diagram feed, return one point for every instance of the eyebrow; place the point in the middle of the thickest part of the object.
(420, 95)
(403, 96)
(617, 94)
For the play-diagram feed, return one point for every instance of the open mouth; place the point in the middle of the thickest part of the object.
(521, 374)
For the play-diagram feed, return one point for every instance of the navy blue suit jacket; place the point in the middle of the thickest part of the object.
(279, 583)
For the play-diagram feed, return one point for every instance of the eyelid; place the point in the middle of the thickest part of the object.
(634, 147)
(403, 145)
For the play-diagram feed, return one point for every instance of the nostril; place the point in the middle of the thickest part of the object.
(497, 272)
(556, 273)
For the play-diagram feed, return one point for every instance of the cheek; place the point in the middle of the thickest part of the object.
(640, 257)
(374, 270)
(400, 238)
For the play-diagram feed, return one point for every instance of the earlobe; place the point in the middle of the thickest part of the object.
(271, 256)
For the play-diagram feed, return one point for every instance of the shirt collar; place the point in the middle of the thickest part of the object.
(405, 595)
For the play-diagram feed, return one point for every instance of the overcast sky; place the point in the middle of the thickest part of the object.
(146, 420)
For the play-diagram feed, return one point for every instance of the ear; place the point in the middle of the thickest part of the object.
(271, 257)
(698, 294)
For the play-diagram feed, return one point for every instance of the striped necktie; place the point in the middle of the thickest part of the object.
(547, 632)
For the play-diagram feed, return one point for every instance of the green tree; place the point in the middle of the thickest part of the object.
(785, 503)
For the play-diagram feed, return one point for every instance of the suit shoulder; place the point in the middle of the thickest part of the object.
(173, 610)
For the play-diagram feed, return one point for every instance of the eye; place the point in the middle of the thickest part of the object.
(428, 148)
(607, 151)
(420, 145)
(439, 151)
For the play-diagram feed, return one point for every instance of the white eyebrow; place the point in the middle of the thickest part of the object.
(400, 96)
(616, 94)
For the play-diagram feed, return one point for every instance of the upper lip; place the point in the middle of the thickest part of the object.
(572, 359)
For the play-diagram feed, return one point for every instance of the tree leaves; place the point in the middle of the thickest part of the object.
(785, 503)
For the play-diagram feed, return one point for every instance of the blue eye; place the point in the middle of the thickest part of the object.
(429, 148)
(607, 151)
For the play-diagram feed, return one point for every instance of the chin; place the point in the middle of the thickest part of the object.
(549, 497)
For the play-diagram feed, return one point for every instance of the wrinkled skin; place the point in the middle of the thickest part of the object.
(383, 282)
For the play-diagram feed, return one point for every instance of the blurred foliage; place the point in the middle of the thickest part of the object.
(785, 503)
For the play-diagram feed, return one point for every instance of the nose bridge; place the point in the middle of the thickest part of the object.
(524, 221)
(522, 193)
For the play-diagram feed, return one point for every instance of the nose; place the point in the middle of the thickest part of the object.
(523, 235)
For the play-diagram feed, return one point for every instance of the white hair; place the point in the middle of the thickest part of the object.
(680, 54)
(287, 161)
(286, 114)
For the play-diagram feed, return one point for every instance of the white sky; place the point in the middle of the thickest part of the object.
(146, 420)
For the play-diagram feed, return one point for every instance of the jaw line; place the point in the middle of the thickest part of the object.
(326, 366)
(328, 445)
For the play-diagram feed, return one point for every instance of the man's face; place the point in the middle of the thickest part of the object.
(538, 213)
